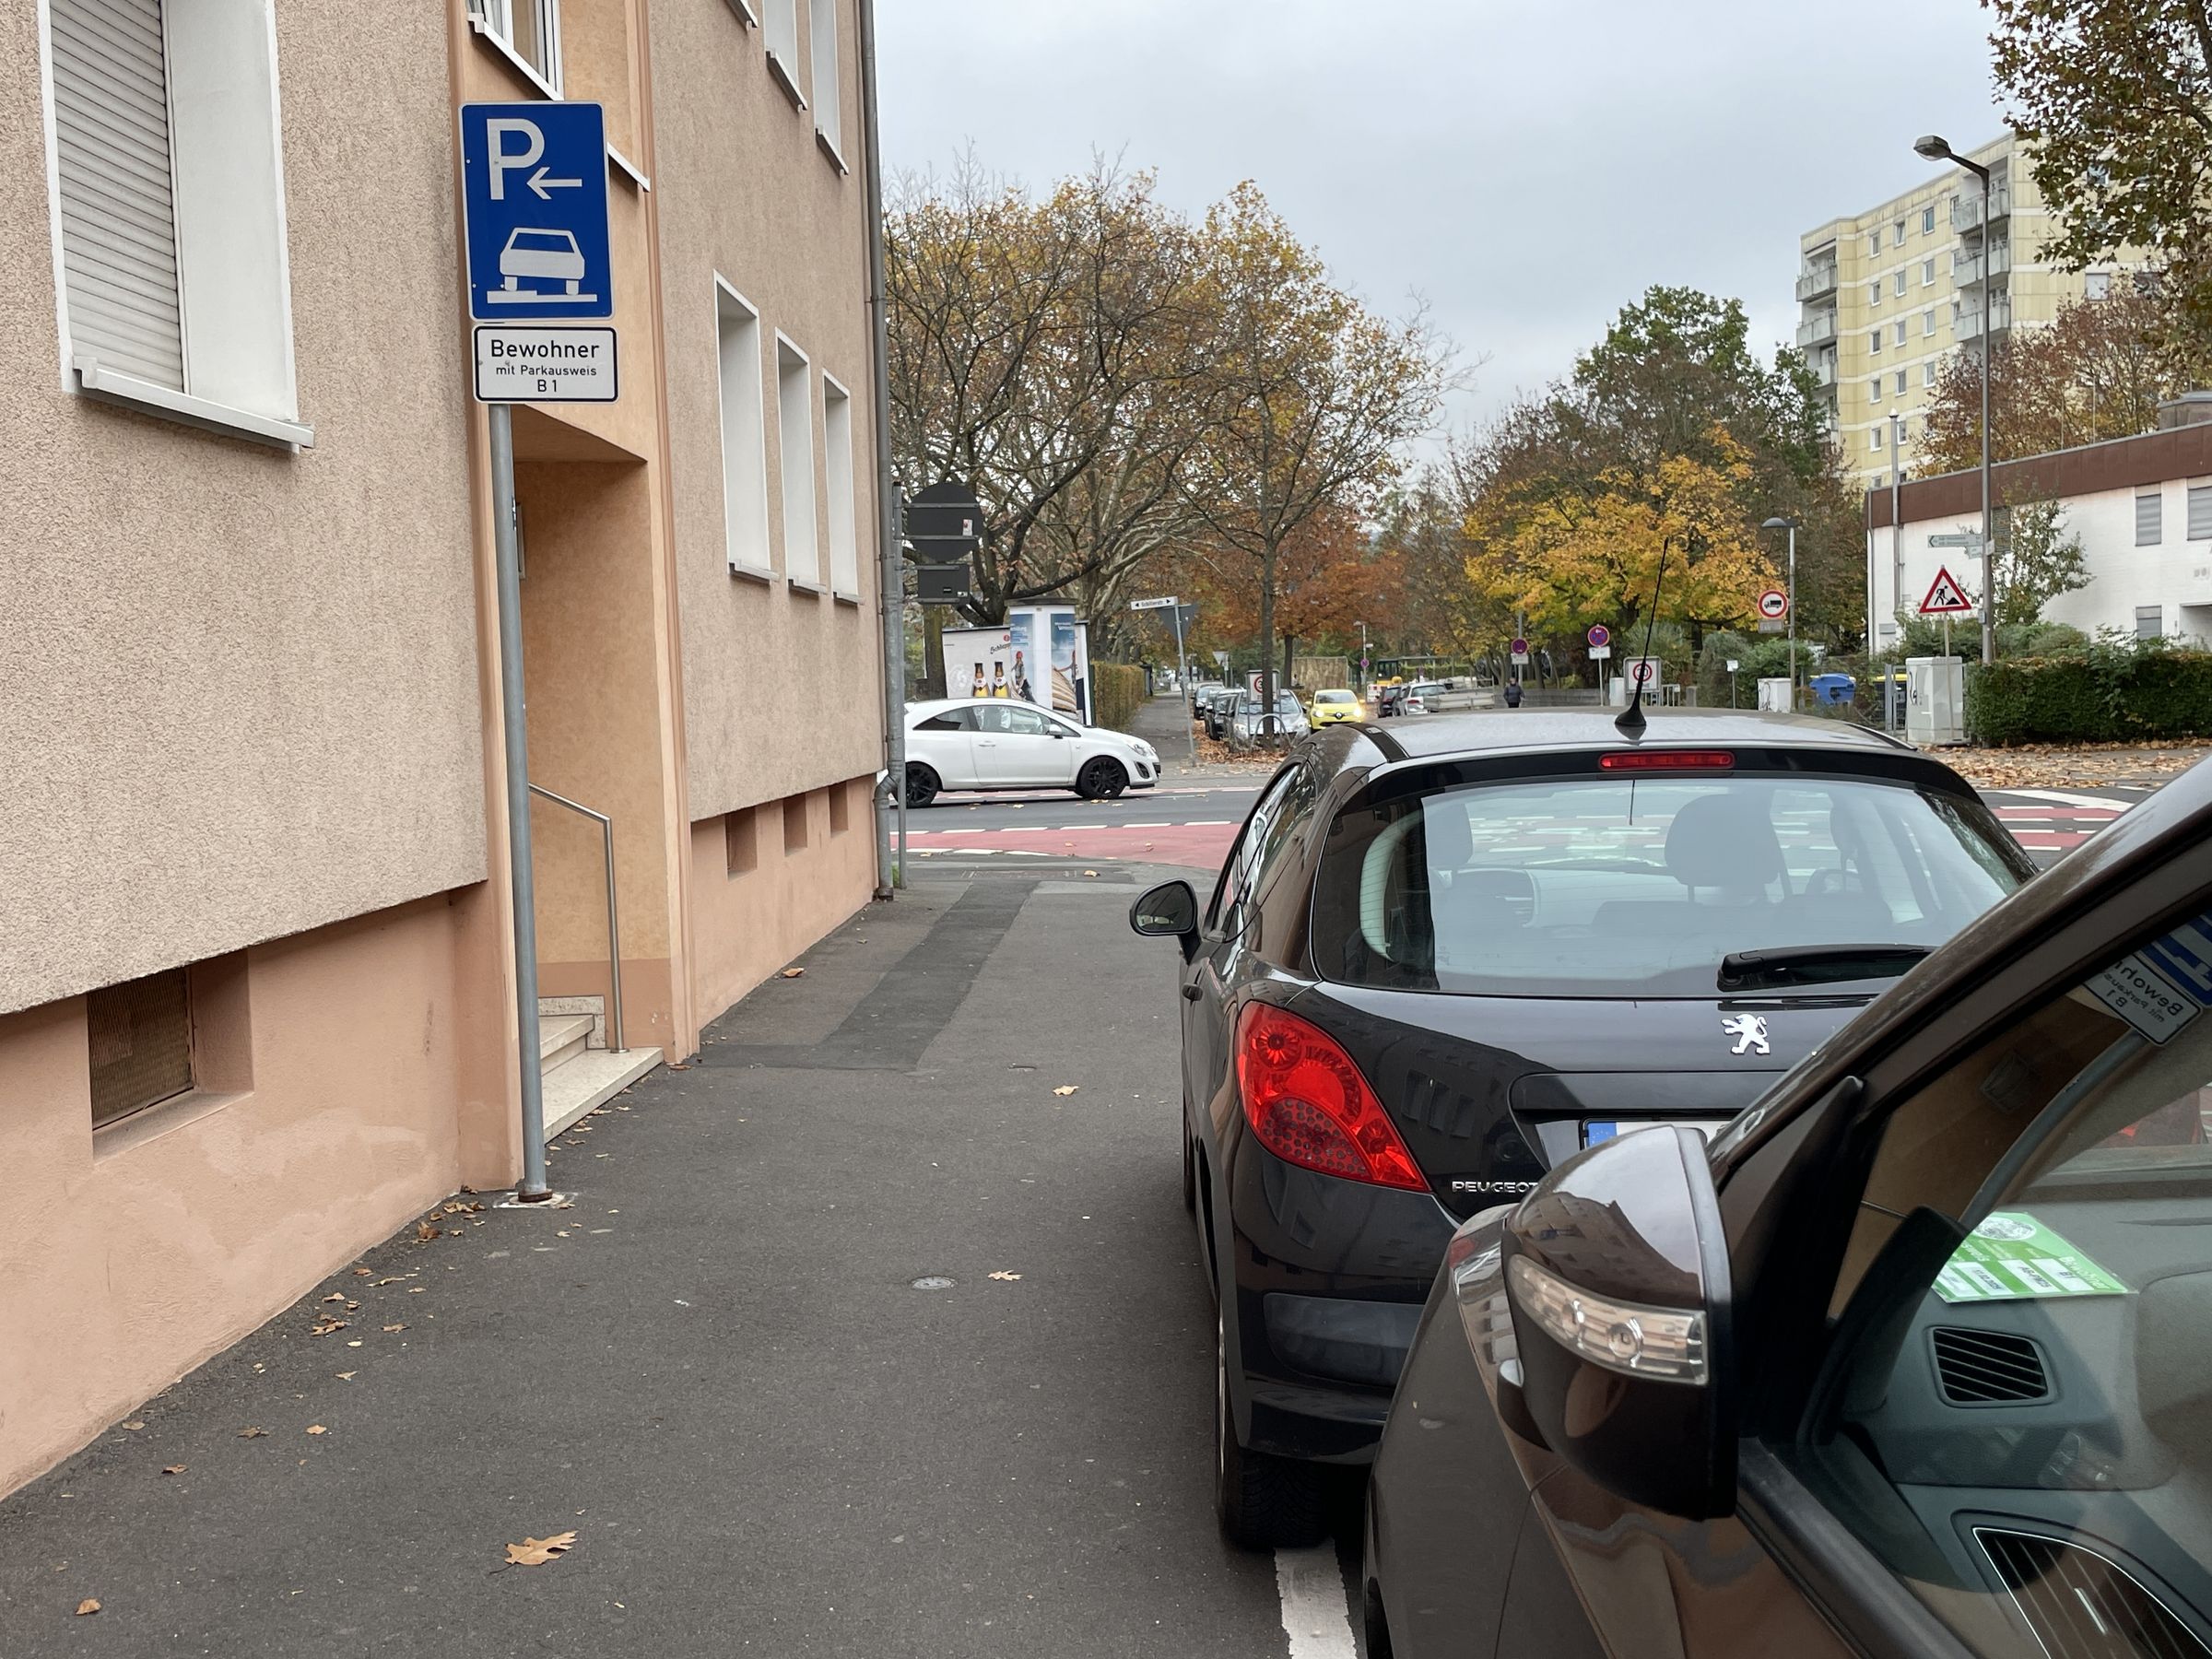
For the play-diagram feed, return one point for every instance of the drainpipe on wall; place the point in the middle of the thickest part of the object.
(891, 802)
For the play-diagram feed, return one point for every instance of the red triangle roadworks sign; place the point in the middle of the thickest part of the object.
(1946, 596)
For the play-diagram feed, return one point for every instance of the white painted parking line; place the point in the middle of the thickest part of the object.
(1316, 1615)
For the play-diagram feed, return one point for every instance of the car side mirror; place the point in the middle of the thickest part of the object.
(1617, 1271)
(1167, 910)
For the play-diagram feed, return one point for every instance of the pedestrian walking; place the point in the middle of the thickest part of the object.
(1513, 694)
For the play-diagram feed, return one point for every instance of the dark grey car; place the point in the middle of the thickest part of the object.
(1915, 1359)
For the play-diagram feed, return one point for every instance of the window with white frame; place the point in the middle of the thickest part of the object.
(1901, 383)
(1927, 321)
(1874, 394)
(2097, 285)
(1898, 285)
(2150, 518)
(744, 432)
(1927, 372)
(176, 284)
(1927, 221)
(1898, 240)
(1900, 331)
(2150, 622)
(2200, 513)
(529, 29)
(794, 456)
(1874, 293)
(1875, 342)
(838, 487)
(1874, 243)
(822, 30)
(1927, 272)
(1874, 438)
(779, 27)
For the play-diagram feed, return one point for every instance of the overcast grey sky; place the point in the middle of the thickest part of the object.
(1527, 169)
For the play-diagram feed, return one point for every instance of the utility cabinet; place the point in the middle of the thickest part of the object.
(1935, 700)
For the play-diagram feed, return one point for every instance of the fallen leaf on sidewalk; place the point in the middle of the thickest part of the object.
(793, 973)
(394, 1327)
(336, 1296)
(348, 1376)
(252, 1433)
(536, 1552)
(133, 1425)
(326, 1327)
(1067, 1088)
(317, 1428)
(174, 1469)
(425, 1232)
(1003, 1273)
(86, 1607)
(1091, 872)
(363, 1272)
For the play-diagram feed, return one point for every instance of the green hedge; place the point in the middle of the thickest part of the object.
(1118, 688)
(2111, 694)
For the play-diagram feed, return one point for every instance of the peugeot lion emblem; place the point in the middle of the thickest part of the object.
(1750, 1031)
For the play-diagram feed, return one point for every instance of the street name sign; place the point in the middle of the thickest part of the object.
(1167, 603)
(519, 364)
(1945, 597)
(1956, 538)
(534, 205)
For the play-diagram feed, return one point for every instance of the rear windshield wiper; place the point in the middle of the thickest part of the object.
(1816, 964)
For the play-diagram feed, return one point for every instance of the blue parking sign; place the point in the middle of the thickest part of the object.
(534, 199)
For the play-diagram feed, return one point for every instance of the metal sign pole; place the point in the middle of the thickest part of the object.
(521, 878)
(1182, 682)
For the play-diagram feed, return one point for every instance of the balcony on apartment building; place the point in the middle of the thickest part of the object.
(1816, 330)
(1966, 205)
(1818, 280)
(1971, 268)
(1824, 369)
(2000, 318)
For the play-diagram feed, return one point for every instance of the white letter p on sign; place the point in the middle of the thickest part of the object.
(502, 162)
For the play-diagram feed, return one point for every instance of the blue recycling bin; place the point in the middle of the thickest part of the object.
(1833, 687)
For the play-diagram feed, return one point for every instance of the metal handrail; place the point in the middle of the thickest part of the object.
(614, 924)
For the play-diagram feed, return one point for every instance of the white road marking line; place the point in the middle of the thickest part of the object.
(1209, 823)
(1162, 825)
(2068, 798)
(1316, 1616)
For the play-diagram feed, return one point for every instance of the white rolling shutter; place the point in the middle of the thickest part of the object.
(119, 239)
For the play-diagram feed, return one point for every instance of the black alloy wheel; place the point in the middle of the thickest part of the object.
(1102, 778)
(1261, 1503)
(922, 784)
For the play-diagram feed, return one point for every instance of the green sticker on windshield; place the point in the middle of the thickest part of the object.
(2013, 1257)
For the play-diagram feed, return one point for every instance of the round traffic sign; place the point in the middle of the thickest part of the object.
(1644, 669)
(1600, 635)
(1774, 604)
(1519, 647)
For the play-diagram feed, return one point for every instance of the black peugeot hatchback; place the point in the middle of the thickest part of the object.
(1443, 958)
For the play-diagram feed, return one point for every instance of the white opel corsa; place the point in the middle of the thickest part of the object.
(996, 743)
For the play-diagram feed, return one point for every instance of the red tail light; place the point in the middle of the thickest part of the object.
(1667, 760)
(1306, 1100)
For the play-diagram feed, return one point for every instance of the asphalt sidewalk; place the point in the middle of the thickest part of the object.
(717, 1368)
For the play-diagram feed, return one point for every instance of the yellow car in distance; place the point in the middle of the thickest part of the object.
(1331, 708)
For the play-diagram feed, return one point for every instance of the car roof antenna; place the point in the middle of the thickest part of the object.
(1630, 721)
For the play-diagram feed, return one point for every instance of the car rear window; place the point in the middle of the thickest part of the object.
(1619, 887)
(1333, 696)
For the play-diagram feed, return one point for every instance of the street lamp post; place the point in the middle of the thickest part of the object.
(1363, 628)
(1791, 525)
(1934, 148)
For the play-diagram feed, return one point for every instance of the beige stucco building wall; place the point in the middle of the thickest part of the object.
(237, 687)
(783, 689)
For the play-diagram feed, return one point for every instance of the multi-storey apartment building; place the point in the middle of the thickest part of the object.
(1886, 294)
(257, 999)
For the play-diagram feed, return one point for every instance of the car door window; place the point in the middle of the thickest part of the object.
(2018, 1415)
(1021, 723)
(1244, 858)
(951, 720)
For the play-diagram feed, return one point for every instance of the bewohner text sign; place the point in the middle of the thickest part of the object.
(517, 364)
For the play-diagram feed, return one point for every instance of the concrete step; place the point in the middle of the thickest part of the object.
(561, 1038)
(590, 1079)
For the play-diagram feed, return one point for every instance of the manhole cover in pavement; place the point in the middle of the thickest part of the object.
(933, 1281)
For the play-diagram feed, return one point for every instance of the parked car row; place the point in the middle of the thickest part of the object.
(1731, 1208)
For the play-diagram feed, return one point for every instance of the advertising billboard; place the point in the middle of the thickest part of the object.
(1041, 656)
